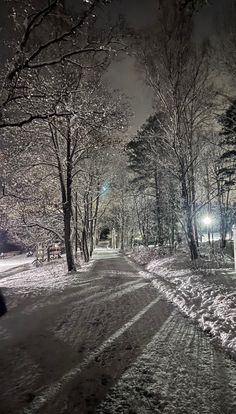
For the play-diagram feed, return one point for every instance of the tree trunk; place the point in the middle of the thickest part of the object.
(76, 224)
(86, 228)
(94, 220)
(208, 205)
(172, 231)
(48, 254)
(67, 206)
(189, 220)
(91, 226)
(223, 230)
(85, 246)
(122, 224)
(65, 179)
(67, 236)
(191, 239)
(160, 239)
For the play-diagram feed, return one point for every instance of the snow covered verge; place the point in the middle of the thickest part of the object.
(39, 281)
(209, 297)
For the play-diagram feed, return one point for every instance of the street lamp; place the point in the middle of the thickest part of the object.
(234, 238)
(207, 220)
(3, 189)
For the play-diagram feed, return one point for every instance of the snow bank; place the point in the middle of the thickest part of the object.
(42, 280)
(209, 300)
(143, 255)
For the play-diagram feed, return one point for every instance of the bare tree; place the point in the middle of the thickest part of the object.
(92, 114)
(177, 71)
(48, 37)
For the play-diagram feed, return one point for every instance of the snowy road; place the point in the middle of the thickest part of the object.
(108, 343)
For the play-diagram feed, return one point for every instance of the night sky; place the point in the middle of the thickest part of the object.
(139, 14)
(123, 74)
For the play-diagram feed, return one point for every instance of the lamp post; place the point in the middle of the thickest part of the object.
(234, 240)
(113, 239)
(3, 189)
(207, 220)
(76, 224)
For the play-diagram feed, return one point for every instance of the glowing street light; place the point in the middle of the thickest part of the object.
(207, 220)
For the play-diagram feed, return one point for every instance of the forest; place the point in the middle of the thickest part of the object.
(70, 168)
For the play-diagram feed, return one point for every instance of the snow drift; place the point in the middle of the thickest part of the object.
(209, 298)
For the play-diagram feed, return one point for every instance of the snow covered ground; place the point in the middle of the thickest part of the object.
(11, 262)
(42, 281)
(178, 372)
(207, 297)
(106, 341)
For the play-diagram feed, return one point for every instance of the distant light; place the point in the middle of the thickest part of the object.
(105, 188)
(207, 220)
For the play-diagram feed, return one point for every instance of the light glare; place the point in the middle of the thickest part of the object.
(207, 220)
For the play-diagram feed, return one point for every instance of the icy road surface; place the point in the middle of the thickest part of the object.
(105, 341)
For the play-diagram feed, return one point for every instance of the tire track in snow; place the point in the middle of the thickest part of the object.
(67, 328)
(64, 298)
(111, 290)
(122, 273)
(179, 372)
(119, 294)
(51, 392)
(100, 297)
(75, 296)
